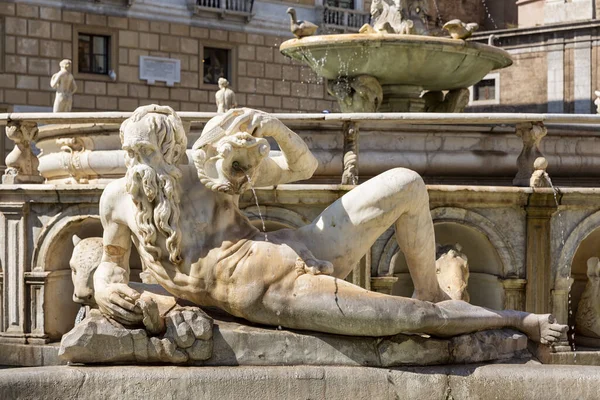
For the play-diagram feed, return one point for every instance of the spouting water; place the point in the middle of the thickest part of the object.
(566, 268)
(488, 14)
(262, 220)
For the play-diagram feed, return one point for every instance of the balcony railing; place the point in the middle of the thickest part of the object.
(241, 8)
(343, 19)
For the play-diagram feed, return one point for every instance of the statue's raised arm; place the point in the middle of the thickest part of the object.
(245, 130)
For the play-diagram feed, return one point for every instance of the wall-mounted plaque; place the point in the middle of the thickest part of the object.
(154, 69)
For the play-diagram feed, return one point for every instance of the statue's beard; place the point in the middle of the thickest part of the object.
(155, 192)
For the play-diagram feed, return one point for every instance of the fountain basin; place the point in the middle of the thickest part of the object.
(404, 65)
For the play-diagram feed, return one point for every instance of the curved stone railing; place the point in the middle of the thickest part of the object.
(82, 147)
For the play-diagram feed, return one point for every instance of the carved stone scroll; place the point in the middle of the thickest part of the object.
(21, 163)
(350, 174)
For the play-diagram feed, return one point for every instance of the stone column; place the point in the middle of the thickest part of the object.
(540, 208)
(13, 260)
(560, 298)
(514, 293)
(21, 163)
(350, 173)
(531, 134)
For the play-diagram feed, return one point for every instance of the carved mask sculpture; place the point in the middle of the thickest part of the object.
(227, 160)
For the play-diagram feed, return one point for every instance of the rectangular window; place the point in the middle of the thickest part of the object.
(485, 90)
(93, 54)
(215, 65)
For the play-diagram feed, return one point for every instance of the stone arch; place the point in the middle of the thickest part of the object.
(484, 285)
(576, 237)
(55, 231)
(275, 217)
(462, 217)
(571, 267)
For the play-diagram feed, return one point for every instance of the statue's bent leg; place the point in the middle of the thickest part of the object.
(345, 231)
(327, 304)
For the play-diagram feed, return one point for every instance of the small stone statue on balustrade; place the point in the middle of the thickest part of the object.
(21, 163)
(225, 97)
(64, 83)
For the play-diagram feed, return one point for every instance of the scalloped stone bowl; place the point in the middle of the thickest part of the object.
(411, 62)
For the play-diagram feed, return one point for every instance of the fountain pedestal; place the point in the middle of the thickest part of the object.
(403, 66)
(402, 98)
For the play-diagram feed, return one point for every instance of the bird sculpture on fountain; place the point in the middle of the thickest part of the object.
(300, 29)
(459, 30)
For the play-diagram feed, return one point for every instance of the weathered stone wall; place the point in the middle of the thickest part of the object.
(38, 37)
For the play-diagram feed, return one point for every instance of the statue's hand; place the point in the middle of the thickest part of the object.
(258, 123)
(117, 300)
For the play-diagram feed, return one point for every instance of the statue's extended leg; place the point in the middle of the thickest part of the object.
(327, 304)
(345, 231)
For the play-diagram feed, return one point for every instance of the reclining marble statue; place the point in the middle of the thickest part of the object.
(194, 241)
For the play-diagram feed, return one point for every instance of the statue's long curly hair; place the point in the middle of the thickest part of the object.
(155, 189)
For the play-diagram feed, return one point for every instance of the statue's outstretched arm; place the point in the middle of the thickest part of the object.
(293, 163)
(112, 294)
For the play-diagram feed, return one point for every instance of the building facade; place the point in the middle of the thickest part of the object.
(555, 51)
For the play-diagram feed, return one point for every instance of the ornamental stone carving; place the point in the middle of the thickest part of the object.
(21, 163)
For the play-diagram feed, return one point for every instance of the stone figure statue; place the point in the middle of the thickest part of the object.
(362, 93)
(185, 223)
(225, 97)
(65, 86)
(587, 319)
(454, 101)
(452, 269)
(597, 101)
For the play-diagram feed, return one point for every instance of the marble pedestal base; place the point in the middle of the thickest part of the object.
(234, 343)
(499, 381)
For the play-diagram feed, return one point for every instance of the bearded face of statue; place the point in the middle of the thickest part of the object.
(153, 183)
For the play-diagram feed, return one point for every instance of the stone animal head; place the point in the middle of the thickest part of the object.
(86, 257)
(155, 141)
(227, 156)
(452, 269)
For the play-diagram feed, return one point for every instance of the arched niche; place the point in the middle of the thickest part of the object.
(480, 242)
(582, 243)
(275, 218)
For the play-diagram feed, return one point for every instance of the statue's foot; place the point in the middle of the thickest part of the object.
(543, 328)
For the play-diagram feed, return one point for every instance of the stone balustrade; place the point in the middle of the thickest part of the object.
(343, 19)
(457, 148)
